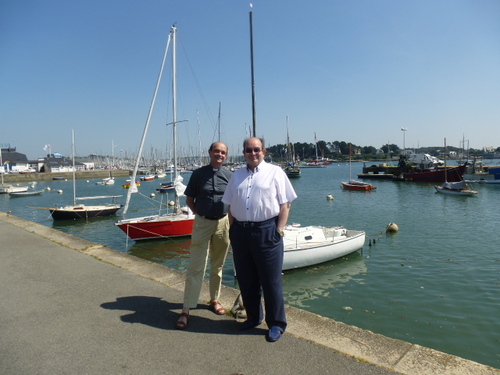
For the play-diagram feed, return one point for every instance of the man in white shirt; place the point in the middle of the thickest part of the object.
(259, 197)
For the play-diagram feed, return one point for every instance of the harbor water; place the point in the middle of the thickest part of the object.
(435, 283)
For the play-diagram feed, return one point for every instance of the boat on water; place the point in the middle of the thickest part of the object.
(166, 187)
(479, 173)
(180, 222)
(82, 211)
(127, 184)
(110, 180)
(27, 193)
(7, 189)
(454, 174)
(310, 245)
(106, 181)
(292, 169)
(355, 184)
(454, 188)
(148, 177)
(312, 165)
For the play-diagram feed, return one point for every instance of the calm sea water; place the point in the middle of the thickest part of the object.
(435, 283)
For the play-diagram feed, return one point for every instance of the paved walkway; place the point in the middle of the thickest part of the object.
(69, 306)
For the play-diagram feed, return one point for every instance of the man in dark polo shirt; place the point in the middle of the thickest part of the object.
(210, 231)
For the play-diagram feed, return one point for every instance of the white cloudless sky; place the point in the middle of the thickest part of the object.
(353, 71)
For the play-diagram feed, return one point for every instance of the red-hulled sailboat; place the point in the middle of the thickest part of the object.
(179, 222)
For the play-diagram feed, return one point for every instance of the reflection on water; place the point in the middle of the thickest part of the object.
(303, 285)
(171, 252)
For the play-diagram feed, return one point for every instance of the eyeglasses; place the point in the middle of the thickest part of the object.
(249, 150)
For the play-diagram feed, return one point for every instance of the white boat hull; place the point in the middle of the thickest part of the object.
(463, 192)
(5, 189)
(307, 246)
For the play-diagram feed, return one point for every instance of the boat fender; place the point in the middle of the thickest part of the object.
(238, 310)
(392, 228)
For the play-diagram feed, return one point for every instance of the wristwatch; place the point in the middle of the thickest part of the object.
(281, 233)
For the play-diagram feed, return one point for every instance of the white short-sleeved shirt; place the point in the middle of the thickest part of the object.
(257, 196)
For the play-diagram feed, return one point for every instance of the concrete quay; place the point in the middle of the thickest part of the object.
(70, 306)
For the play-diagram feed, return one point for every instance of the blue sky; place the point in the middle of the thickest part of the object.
(354, 71)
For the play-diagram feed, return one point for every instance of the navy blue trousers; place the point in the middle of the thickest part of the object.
(258, 260)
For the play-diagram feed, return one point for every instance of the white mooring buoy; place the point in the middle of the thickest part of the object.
(329, 197)
(392, 228)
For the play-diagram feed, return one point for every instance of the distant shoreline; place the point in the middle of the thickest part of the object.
(49, 176)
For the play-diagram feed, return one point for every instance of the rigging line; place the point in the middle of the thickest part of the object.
(198, 86)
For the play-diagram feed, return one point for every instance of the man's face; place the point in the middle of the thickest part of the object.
(218, 154)
(254, 153)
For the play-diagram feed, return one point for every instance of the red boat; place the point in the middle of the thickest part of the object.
(452, 174)
(178, 223)
(158, 226)
(357, 185)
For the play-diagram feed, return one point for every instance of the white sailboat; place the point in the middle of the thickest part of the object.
(180, 222)
(453, 188)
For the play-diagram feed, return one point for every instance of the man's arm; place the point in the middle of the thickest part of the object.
(230, 216)
(283, 215)
(191, 203)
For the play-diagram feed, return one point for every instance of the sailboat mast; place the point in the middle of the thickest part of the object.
(289, 149)
(350, 162)
(253, 78)
(133, 187)
(174, 98)
(218, 125)
(445, 168)
(74, 174)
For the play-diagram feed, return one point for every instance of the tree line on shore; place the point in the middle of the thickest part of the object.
(340, 150)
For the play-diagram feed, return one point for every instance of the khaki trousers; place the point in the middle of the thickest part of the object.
(209, 237)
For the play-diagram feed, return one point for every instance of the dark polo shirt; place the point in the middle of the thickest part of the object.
(207, 186)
